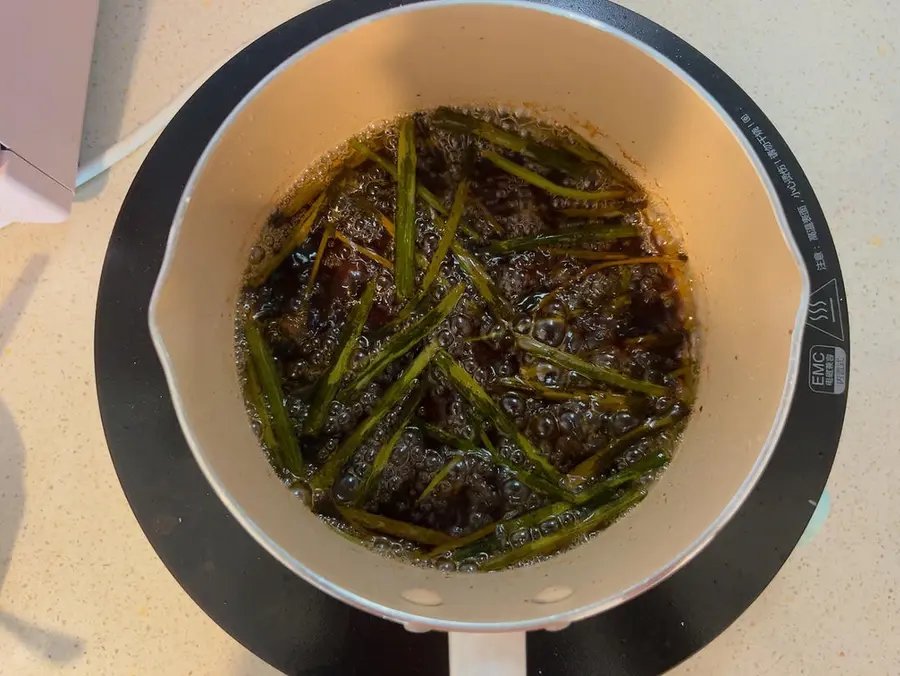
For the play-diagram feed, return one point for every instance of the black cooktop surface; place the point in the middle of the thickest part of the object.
(299, 629)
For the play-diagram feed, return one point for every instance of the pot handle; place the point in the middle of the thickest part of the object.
(487, 654)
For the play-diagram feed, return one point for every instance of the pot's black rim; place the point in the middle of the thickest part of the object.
(300, 630)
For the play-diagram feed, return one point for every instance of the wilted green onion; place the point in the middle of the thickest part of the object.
(588, 233)
(589, 467)
(405, 240)
(539, 181)
(482, 282)
(340, 361)
(487, 409)
(270, 264)
(549, 157)
(373, 474)
(442, 474)
(548, 544)
(288, 448)
(448, 234)
(402, 342)
(602, 374)
(328, 473)
(398, 529)
(627, 475)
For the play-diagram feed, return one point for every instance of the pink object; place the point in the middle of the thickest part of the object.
(45, 60)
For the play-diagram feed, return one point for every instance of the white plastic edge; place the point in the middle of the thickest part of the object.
(487, 654)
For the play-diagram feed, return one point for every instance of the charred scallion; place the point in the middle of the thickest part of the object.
(296, 239)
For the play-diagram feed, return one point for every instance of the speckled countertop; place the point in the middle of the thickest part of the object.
(81, 591)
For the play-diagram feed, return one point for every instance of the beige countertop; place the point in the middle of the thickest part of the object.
(81, 590)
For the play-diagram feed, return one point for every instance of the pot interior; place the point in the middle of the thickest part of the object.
(637, 108)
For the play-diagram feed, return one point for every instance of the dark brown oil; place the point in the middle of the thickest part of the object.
(601, 319)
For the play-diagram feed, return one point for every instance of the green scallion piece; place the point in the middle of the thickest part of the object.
(340, 362)
(592, 465)
(364, 250)
(607, 400)
(448, 234)
(439, 477)
(589, 233)
(402, 342)
(405, 240)
(428, 197)
(548, 544)
(394, 528)
(602, 374)
(551, 158)
(258, 403)
(482, 282)
(539, 181)
(580, 146)
(494, 539)
(269, 265)
(626, 475)
(597, 267)
(487, 409)
(444, 437)
(288, 448)
(585, 254)
(605, 212)
(327, 474)
(455, 543)
(370, 480)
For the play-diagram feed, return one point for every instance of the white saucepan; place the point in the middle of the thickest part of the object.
(750, 289)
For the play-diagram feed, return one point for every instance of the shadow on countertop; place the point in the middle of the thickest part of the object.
(120, 28)
(53, 645)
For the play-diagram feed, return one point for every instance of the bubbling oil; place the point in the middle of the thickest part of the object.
(631, 318)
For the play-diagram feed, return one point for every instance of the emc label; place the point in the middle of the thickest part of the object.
(827, 369)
